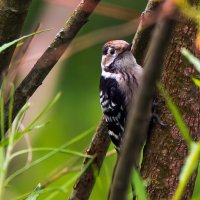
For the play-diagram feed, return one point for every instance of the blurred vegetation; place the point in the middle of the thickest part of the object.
(76, 111)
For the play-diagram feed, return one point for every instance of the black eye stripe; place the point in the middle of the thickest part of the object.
(105, 50)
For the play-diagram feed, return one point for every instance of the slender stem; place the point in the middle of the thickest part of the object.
(190, 166)
(10, 147)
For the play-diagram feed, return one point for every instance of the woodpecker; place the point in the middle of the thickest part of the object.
(120, 79)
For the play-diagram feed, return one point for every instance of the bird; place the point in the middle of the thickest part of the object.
(119, 82)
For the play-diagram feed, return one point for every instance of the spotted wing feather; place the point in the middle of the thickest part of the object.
(112, 101)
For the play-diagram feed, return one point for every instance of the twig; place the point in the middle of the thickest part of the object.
(104, 9)
(12, 16)
(90, 39)
(57, 176)
(51, 56)
(137, 123)
(98, 147)
(17, 58)
(144, 31)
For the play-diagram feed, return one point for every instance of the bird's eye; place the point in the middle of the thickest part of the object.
(112, 51)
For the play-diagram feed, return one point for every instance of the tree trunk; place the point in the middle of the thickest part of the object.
(165, 150)
(12, 17)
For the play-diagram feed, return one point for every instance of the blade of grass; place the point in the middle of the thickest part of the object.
(12, 131)
(9, 44)
(11, 106)
(178, 118)
(45, 110)
(190, 165)
(35, 194)
(139, 186)
(46, 190)
(42, 149)
(45, 157)
(18, 135)
(196, 81)
(2, 109)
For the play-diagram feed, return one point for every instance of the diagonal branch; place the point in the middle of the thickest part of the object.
(98, 147)
(51, 56)
(137, 123)
(12, 16)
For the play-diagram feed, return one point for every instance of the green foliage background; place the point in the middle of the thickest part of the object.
(77, 110)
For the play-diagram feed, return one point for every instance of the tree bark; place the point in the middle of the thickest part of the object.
(98, 148)
(165, 150)
(12, 17)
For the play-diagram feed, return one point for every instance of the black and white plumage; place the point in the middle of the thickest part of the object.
(120, 79)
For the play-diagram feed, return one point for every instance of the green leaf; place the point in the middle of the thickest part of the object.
(2, 158)
(10, 111)
(35, 194)
(2, 109)
(191, 58)
(139, 186)
(9, 44)
(177, 115)
(190, 165)
(196, 81)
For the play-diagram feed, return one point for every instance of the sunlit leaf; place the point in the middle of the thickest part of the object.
(191, 58)
(2, 158)
(190, 165)
(196, 81)
(139, 186)
(35, 194)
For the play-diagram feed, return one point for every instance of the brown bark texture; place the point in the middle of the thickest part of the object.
(144, 32)
(12, 17)
(98, 148)
(165, 150)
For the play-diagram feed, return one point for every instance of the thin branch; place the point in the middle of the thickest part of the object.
(51, 56)
(98, 147)
(59, 175)
(144, 31)
(12, 16)
(104, 9)
(137, 123)
(17, 58)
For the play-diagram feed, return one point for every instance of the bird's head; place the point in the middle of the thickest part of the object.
(117, 56)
